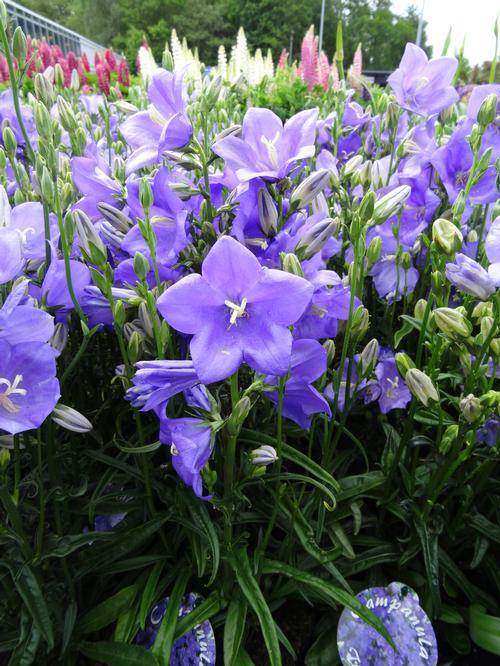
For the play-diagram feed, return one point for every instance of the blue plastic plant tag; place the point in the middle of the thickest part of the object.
(397, 605)
(196, 648)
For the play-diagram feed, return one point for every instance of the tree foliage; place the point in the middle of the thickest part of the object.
(267, 23)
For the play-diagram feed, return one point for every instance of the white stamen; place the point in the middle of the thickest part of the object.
(271, 148)
(237, 310)
(174, 450)
(156, 116)
(394, 385)
(12, 389)
(423, 83)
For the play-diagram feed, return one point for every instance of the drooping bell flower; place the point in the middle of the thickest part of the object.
(394, 392)
(236, 311)
(468, 276)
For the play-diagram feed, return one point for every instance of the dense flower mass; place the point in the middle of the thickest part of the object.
(293, 317)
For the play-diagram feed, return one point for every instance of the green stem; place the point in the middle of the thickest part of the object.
(230, 454)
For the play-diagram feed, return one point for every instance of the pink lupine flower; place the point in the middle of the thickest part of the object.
(82, 73)
(123, 72)
(323, 70)
(85, 62)
(66, 71)
(103, 77)
(110, 59)
(4, 70)
(72, 61)
(309, 58)
(282, 59)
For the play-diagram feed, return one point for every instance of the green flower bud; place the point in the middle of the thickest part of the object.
(368, 358)
(406, 261)
(240, 412)
(58, 75)
(291, 264)
(459, 205)
(268, 213)
(487, 111)
(19, 197)
(145, 195)
(360, 322)
(119, 315)
(374, 251)
(403, 363)
(115, 217)
(490, 399)
(233, 130)
(421, 386)
(3, 159)
(419, 309)
(470, 406)
(452, 323)
(310, 187)
(447, 236)
(90, 242)
(59, 338)
(390, 203)
(367, 206)
(134, 347)
(3, 15)
(43, 121)
(47, 186)
(315, 238)
(9, 141)
(44, 90)
(352, 165)
(141, 266)
(448, 439)
(329, 345)
(19, 45)
(66, 115)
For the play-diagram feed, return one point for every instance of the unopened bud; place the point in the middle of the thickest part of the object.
(315, 238)
(421, 386)
(403, 363)
(19, 45)
(141, 266)
(3, 14)
(134, 347)
(360, 322)
(420, 309)
(145, 195)
(9, 141)
(240, 412)
(119, 315)
(264, 455)
(116, 217)
(452, 323)
(374, 251)
(368, 358)
(470, 406)
(448, 439)
(390, 203)
(213, 90)
(291, 264)
(487, 111)
(59, 338)
(310, 187)
(268, 213)
(352, 165)
(58, 75)
(447, 236)
(458, 207)
(234, 130)
(47, 186)
(69, 418)
(367, 206)
(329, 345)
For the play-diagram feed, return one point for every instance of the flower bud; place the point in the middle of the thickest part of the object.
(329, 345)
(43, 121)
(421, 386)
(9, 141)
(291, 264)
(44, 90)
(3, 15)
(352, 165)
(310, 187)
(58, 75)
(47, 186)
(69, 418)
(145, 195)
(449, 437)
(390, 203)
(487, 111)
(403, 363)
(447, 236)
(116, 217)
(240, 411)
(367, 206)
(482, 309)
(145, 319)
(490, 399)
(213, 90)
(315, 238)
(66, 115)
(374, 251)
(368, 358)
(360, 322)
(134, 347)
(452, 323)
(320, 205)
(268, 213)
(19, 45)
(470, 406)
(264, 455)
(119, 315)
(141, 266)
(59, 338)
(419, 309)
(75, 81)
(234, 130)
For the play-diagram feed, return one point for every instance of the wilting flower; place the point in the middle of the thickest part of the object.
(164, 126)
(236, 311)
(421, 85)
(29, 389)
(470, 277)
(301, 400)
(267, 149)
(190, 441)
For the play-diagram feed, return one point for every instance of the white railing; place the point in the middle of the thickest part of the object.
(39, 27)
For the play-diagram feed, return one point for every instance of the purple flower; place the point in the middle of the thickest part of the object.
(236, 311)
(11, 253)
(368, 391)
(301, 400)
(492, 250)
(8, 113)
(165, 126)
(267, 149)
(394, 392)
(91, 176)
(155, 382)
(470, 277)
(27, 219)
(489, 431)
(29, 389)
(55, 287)
(421, 85)
(491, 137)
(391, 280)
(190, 441)
(21, 322)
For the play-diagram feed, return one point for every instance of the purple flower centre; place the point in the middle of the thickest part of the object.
(461, 178)
(12, 388)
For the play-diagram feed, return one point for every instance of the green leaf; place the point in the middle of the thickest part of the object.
(243, 659)
(335, 594)
(162, 646)
(69, 625)
(118, 654)
(356, 486)
(146, 448)
(207, 609)
(108, 611)
(429, 543)
(234, 628)
(24, 652)
(484, 629)
(405, 330)
(324, 651)
(150, 592)
(56, 546)
(252, 592)
(485, 527)
(300, 459)
(30, 592)
(203, 521)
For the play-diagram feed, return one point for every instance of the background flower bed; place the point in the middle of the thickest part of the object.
(303, 319)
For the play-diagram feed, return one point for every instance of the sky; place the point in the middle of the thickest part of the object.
(473, 19)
